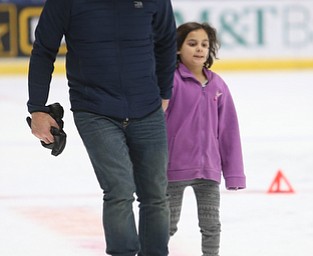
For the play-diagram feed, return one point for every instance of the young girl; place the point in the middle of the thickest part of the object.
(203, 133)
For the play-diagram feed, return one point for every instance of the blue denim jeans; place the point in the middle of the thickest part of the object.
(130, 156)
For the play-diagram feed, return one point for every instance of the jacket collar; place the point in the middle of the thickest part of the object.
(185, 72)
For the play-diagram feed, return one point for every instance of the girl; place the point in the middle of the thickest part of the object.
(203, 133)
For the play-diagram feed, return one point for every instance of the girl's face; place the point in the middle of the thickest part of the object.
(195, 49)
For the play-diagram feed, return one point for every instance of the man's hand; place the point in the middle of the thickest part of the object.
(41, 126)
(165, 104)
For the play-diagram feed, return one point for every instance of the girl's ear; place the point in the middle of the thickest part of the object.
(178, 52)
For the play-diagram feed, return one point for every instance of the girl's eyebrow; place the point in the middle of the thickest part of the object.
(191, 39)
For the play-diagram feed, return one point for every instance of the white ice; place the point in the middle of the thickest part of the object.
(52, 205)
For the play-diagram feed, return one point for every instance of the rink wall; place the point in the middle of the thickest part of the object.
(254, 34)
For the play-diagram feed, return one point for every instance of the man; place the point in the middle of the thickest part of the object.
(120, 61)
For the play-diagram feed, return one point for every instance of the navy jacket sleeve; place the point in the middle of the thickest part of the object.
(51, 27)
(165, 47)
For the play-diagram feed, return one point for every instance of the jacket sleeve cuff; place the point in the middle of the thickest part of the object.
(32, 108)
(235, 182)
(166, 95)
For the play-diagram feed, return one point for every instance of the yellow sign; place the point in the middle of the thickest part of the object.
(27, 21)
(8, 30)
(17, 28)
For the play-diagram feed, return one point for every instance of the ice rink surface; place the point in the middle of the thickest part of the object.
(52, 205)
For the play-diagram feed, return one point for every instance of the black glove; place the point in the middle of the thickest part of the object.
(57, 112)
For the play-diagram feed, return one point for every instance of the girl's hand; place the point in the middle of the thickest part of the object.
(233, 188)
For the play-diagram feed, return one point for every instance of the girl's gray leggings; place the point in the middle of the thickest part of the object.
(208, 203)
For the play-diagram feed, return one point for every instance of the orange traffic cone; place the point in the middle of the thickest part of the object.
(276, 186)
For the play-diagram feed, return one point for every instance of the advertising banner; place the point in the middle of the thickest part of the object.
(253, 33)
(255, 29)
(18, 20)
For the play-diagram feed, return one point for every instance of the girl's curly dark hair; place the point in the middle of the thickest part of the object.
(183, 31)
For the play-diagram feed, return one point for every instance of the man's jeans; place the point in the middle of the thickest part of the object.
(130, 156)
